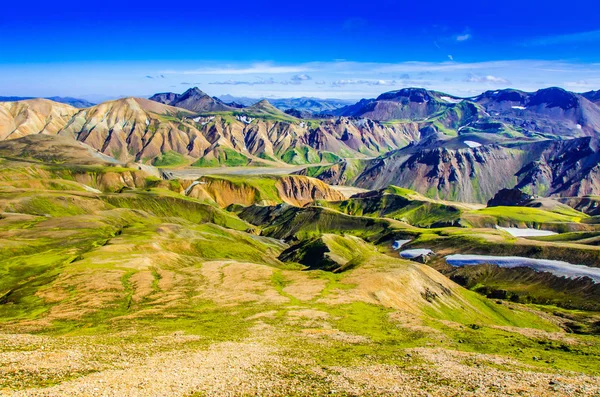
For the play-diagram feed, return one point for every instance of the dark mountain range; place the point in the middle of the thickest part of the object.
(406, 104)
(193, 100)
(593, 96)
(75, 102)
(551, 112)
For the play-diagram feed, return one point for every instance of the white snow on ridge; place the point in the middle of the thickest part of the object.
(519, 107)
(558, 268)
(451, 100)
(472, 144)
(525, 232)
(579, 126)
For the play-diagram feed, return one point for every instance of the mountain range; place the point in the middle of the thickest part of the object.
(440, 145)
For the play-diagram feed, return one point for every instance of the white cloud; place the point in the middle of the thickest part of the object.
(450, 57)
(342, 83)
(486, 79)
(301, 77)
(258, 68)
(463, 37)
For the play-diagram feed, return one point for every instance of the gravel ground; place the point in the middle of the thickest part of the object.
(257, 367)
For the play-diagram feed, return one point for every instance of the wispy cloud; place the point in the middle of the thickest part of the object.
(259, 68)
(301, 77)
(294, 80)
(592, 36)
(342, 83)
(463, 37)
(486, 79)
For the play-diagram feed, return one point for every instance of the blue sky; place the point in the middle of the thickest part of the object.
(321, 48)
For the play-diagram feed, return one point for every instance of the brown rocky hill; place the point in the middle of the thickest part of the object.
(265, 190)
(33, 116)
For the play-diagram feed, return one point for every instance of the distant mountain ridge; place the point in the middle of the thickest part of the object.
(303, 104)
(75, 102)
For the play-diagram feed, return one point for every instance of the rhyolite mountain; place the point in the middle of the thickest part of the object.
(135, 129)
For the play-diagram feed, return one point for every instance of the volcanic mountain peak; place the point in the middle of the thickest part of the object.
(192, 92)
(194, 99)
(263, 105)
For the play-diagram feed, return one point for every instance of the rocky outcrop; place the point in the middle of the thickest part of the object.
(294, 190)
(509, 197)
(300, 191)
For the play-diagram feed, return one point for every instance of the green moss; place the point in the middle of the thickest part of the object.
(169, 159)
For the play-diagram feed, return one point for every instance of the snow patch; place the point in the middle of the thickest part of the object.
(526, 232)
(414, 253)
(244, 119)
(90, 189)
(558, 268)
(451, 100)
(360, 122)
(399, 243)
(472, 144)
(579, 126)
(189, 189)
